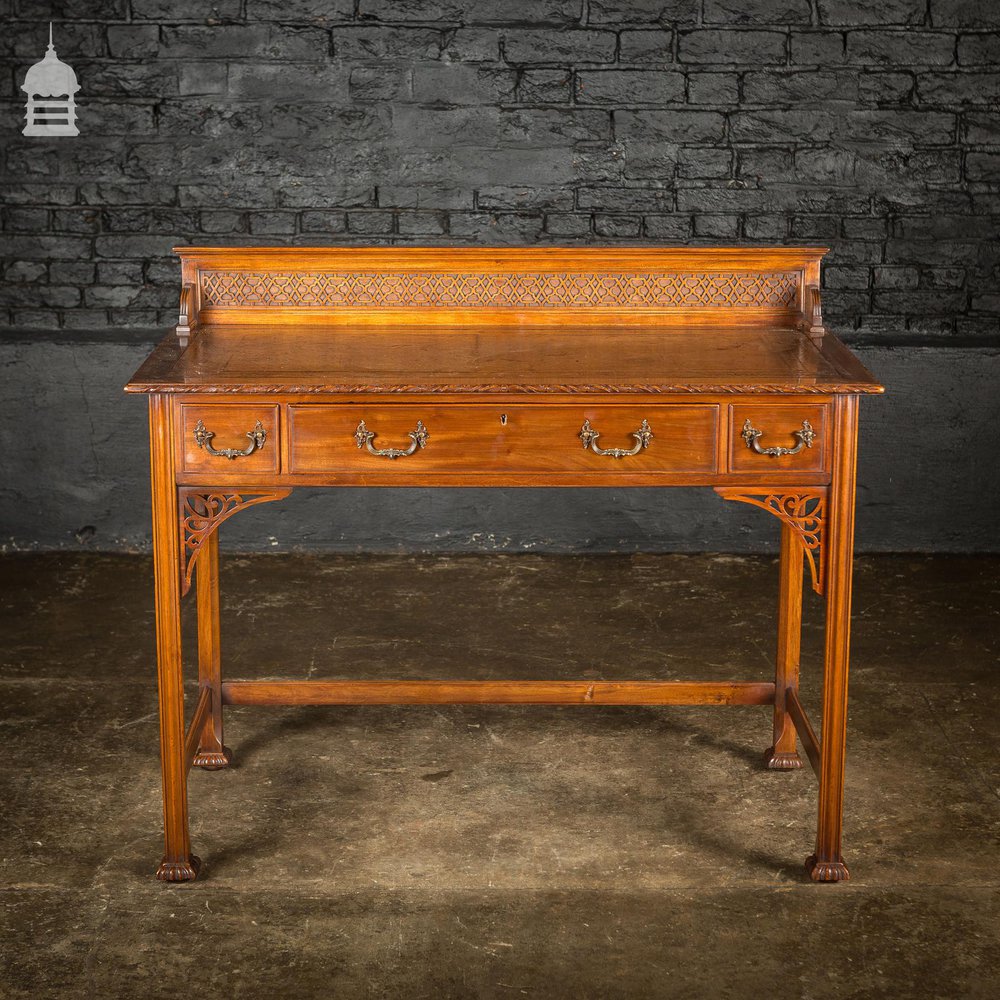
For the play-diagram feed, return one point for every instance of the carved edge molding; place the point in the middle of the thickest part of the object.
(685, 388)
(804, 511)
(202, 511)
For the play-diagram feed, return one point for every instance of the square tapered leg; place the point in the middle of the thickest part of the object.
(827, 863)
(178, 864)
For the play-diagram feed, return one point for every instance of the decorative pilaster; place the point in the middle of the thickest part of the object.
(804, 511)
(201, 512)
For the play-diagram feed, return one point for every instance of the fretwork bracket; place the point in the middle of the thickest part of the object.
(804, 511)
(202, 511)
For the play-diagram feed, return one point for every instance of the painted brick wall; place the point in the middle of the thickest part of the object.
(869, 125)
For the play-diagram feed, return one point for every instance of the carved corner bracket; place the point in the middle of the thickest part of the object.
(202, 511)
(804, 511)
(813, 313)
(187, 317)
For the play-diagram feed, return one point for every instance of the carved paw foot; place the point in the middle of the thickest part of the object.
(782, 760)
(826, 871)
(213, 760)
(179, 871)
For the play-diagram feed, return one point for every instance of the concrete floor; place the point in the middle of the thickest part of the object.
(499, 851)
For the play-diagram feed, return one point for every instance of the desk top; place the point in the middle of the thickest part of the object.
(511, 359)
(502, 320)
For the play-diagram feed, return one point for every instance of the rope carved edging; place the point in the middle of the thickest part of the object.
(541, 388)
(803, 511)
(202, 511)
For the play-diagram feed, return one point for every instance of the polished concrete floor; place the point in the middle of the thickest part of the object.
(499, 851)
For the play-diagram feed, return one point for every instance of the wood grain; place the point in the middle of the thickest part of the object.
(500, 285)
(782, 755)
(778, 420)
(475, 360)
(827, 863)
(178, 864)
(501, 354)
(526, 439)
(804, 728)
(202, 715)
(497, 693)
(211, 750)
(229, 426)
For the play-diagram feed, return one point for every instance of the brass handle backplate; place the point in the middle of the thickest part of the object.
(752, 436)
(204, 439)
(589, 438)
(418, 439)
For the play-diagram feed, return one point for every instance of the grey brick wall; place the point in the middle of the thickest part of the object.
(870, 125)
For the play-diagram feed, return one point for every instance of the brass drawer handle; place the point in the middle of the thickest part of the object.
(204, 438)
(589, 438)
(418, 439)
(752, 437)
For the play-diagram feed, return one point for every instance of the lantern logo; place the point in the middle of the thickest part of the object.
(50, 85)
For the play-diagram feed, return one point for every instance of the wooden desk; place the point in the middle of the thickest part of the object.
(503, 367)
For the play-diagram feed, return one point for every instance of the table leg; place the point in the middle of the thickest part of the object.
(212, 753)
(783, 755)
(827, 864)
(178, 864)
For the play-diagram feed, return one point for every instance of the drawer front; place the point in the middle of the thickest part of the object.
(462, 439)
(219, 437)
(792, 436)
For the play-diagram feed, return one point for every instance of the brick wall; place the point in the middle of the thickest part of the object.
(868, 125)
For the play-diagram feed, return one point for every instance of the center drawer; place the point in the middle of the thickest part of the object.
(325, 438)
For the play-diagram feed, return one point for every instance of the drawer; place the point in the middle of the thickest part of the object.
(220, 437)
(788, 427)
(471, 438)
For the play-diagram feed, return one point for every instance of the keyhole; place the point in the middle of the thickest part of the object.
(503, 419)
